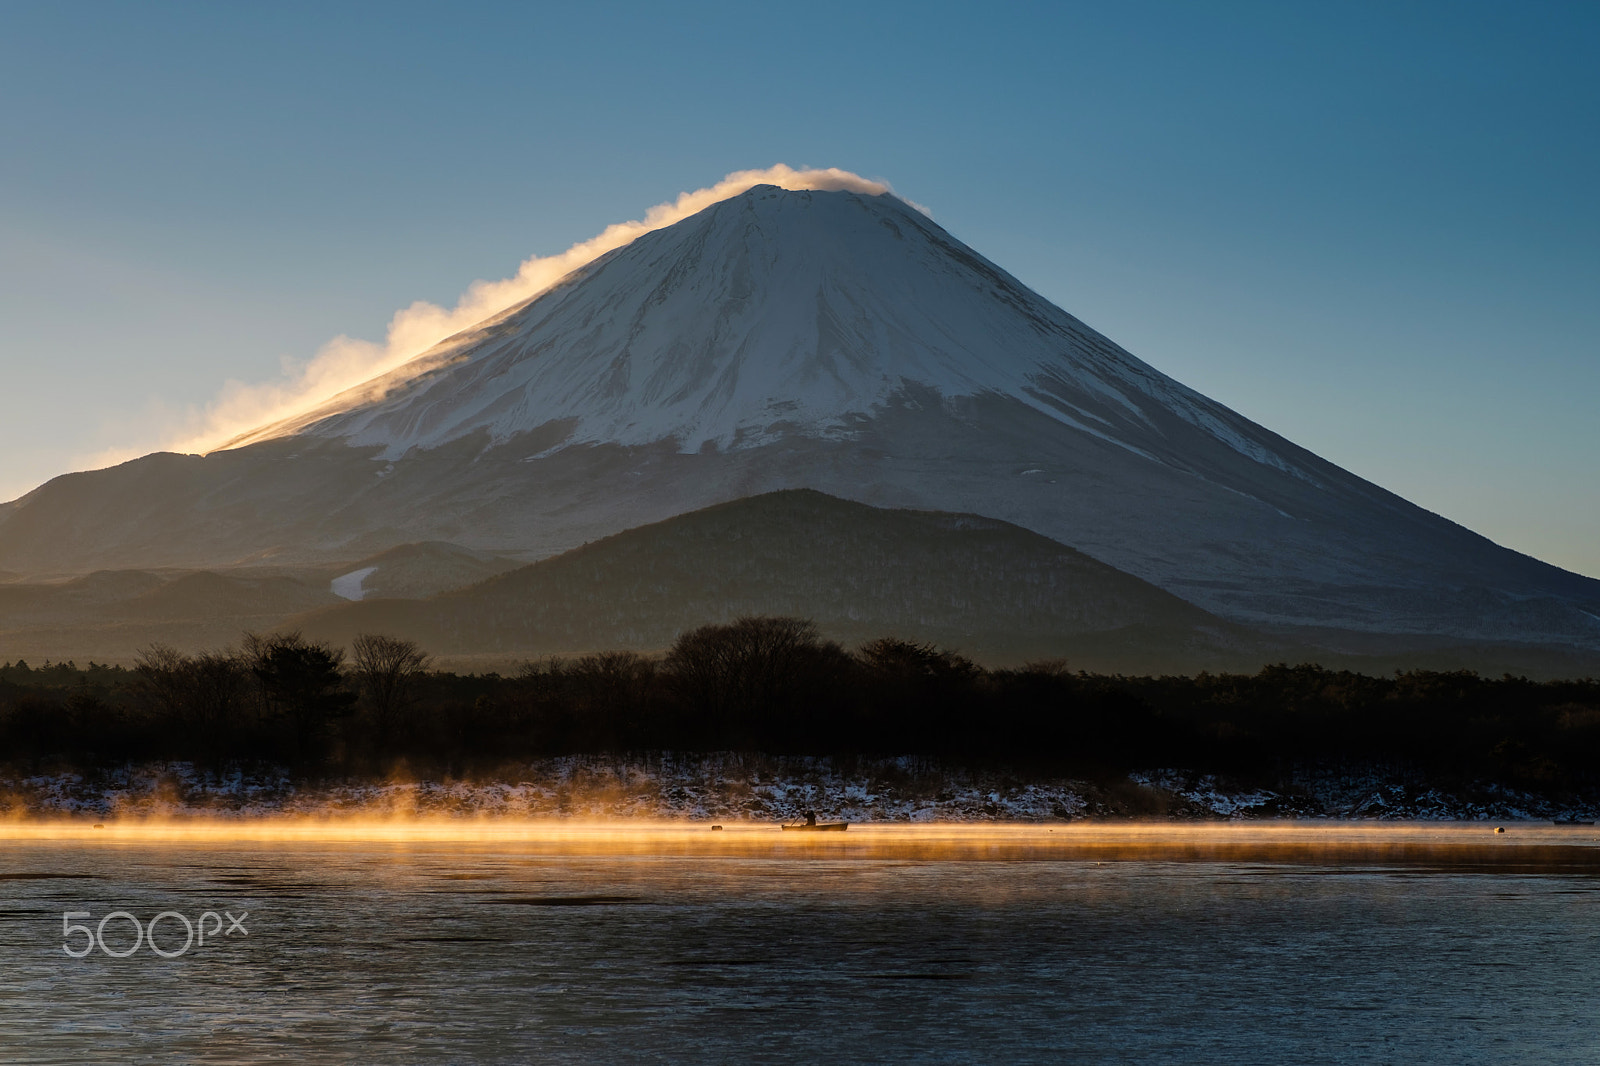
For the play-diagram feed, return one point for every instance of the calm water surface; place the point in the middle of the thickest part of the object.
(516, 950)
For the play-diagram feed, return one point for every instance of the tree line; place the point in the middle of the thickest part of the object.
(774, 685)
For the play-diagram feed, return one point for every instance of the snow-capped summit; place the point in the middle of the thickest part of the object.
(775, 313)
(832, 340)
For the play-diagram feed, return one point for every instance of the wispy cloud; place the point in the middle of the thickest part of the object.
(347, 362)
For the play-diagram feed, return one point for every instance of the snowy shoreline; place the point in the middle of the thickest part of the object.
(742, 788)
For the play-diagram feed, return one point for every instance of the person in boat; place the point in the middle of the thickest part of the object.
(811, 816)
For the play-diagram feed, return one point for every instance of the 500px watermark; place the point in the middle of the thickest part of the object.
(142, 934)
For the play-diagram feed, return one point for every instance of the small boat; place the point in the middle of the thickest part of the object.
(819, 827)
(1572, 821)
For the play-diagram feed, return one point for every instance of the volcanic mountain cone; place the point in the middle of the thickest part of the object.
(836, 341)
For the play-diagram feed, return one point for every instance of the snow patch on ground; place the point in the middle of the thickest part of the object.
(726, 788)
(349, 585)
(1362, 795)
(730, 787)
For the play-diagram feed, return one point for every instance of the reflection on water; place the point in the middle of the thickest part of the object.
(1089, 944)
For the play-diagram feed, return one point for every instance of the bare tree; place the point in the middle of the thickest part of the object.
(909, 662)
(162, 679)
(300, 680)
(386, 669)
(200, 694)
(751, 667)
(611, 690)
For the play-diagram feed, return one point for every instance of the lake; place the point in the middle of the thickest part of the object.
(491, 942)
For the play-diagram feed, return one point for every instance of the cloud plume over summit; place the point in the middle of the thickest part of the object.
(346, 362)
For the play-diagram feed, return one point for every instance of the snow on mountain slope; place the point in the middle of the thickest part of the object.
(772, 314)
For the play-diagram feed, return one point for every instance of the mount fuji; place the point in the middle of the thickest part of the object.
(829, 340)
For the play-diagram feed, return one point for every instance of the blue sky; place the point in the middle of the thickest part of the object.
(1372, 228)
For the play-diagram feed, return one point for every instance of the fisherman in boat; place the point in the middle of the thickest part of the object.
(811, 816)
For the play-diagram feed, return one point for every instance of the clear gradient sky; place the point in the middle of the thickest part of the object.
(1373, 228)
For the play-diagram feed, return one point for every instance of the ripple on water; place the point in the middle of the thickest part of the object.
(361, 951)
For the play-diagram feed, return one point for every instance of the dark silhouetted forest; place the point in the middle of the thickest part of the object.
(772, 685)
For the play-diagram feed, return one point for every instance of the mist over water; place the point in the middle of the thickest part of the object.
(650, 943)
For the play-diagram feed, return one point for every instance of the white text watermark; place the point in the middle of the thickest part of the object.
(194, 933)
